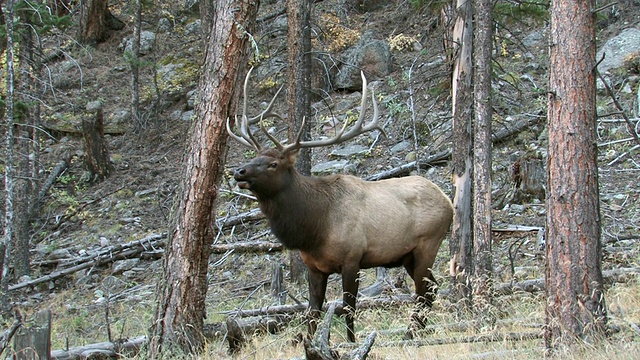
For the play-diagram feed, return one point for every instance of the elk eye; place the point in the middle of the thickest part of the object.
(273, 165)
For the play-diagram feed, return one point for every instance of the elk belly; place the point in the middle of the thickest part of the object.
(323, 264)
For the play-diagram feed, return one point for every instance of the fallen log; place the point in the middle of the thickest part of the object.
(524, 336)
(236, 330)
(462, 326)
(101, 350)
(407, 168)
(441, 156)
(296, 308)
(249, 216)
(248, 247)
(620, 275)
(131, 347)
(57, 170)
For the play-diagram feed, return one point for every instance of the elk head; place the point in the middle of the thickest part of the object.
(263, 175)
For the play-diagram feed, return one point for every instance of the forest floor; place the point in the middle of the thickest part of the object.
(81, 219)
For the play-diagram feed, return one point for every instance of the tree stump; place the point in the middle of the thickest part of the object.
(235, 335)
(278, 290)
(529, 177)
(34, 342)
(96, 154)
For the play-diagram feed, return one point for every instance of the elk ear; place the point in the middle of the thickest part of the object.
(291, 156)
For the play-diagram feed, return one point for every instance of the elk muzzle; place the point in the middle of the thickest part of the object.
(240, 175)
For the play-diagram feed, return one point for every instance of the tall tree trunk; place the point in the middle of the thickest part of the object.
(575, 308)
(25, 130)
(134, 62)
(483, 272)
(9, 171)
(180, 314)
(3, 42)
(299, 106)
(460, 245)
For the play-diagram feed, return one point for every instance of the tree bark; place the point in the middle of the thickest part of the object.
(9, 171)
(23, 189)
(460, 245)
(180, 314)
(134, 62)
(575, 307)
(59, 7)
(96, 154)
(34, 340)
(96, 21)
(3, 44)
(483, 271)
(299, 106)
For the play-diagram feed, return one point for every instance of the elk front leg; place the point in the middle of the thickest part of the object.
(317, 290)
(350, 291)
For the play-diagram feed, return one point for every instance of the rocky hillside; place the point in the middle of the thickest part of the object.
(402, 47)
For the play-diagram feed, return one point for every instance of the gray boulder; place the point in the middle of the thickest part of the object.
(369, 55)
(147, 40)
(618, 48)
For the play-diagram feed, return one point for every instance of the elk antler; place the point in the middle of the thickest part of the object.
(246, 137)
(358, 128)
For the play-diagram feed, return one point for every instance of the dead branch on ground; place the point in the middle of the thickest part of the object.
(630, 126)
(318, 348)
(110, 254)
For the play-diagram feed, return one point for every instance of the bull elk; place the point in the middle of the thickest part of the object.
(341, 223)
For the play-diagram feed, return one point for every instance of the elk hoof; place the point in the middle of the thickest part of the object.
(408, 335)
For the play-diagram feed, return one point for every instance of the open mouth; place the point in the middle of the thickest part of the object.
(243, 184)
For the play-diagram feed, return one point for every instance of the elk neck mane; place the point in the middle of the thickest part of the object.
(299, 214)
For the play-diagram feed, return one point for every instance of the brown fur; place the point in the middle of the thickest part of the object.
(341, 224)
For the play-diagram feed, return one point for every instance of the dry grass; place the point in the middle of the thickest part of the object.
(518, 313)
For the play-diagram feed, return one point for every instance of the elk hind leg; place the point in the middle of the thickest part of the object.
(426, 288)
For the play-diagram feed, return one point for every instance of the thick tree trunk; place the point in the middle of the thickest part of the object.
(299, 106)
(575, 308)
(95, 21)
(460, 245)
(483, 272)
(180, 314)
